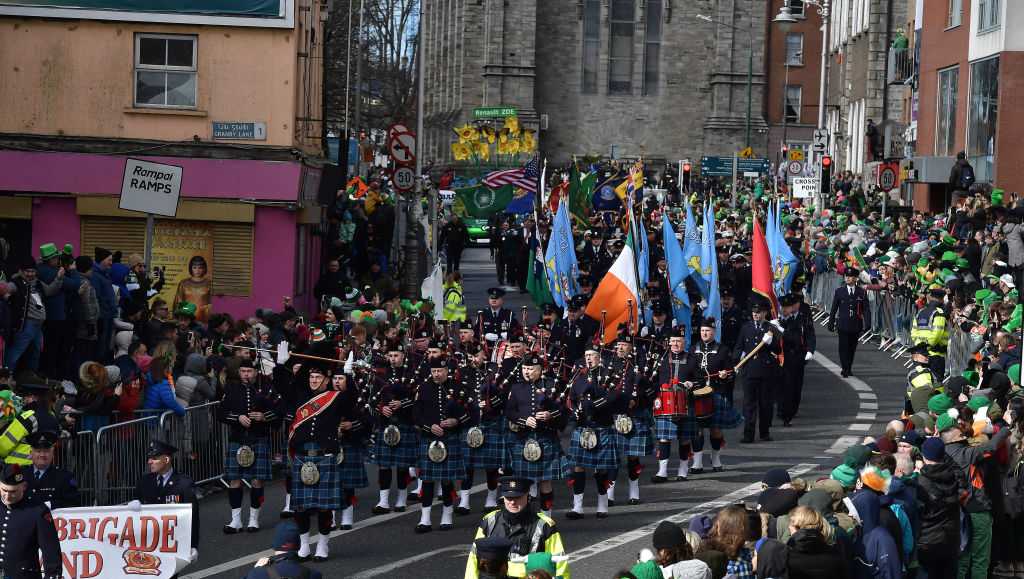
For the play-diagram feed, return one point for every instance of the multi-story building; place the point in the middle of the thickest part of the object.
(230, 93)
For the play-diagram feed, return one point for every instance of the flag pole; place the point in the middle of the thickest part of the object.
(640, 298)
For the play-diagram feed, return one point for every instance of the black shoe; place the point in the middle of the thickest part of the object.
(399, 509)
(658, 479)
(634, 501)
(602, 515)
(287, 514)
(718, 468)
(573, 515)
(787, 423)
(447, 527)
(319, 559)
(252, 529)
(420, 529)
(460, 511)
(345, 527)
(747, 440)
(229, 530)
(696, 471)
(767, 438)
(379, 510)
(611, 503)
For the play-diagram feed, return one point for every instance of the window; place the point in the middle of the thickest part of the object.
(988, 15)
(982, 115)
(652, 46)
(165, 71)
(796, 8)
(794, 49)
(591, 44)
(791, 106)
(955, 13)
(620, 50)
(945, 132)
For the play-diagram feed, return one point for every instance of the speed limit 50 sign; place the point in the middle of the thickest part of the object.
(404, 178)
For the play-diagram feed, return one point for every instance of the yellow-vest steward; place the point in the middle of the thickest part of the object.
(454, 306)
(930, 328)
(544, 537)
(14, 446)
(921, 376)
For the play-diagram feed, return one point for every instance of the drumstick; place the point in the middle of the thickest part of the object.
(748, 356)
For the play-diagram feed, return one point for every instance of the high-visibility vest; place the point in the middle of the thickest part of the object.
(14, 446)
(920, 376)
(552, 544)
(930, 327)
(454, 306)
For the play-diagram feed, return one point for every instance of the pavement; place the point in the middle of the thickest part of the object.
(835, 413)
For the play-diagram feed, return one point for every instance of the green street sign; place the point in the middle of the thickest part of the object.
(494, 112)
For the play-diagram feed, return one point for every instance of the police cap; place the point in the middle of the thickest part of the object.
(493, 548)
(495, 293)
(512, 487)
(577, 303)
(919, 348)
(790, 299)
(158, 447)
(43, 439)
(13, 474)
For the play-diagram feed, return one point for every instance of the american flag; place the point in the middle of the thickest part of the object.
(525, 177)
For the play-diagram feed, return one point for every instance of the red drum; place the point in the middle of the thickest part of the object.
(703, 403)
(670, 403)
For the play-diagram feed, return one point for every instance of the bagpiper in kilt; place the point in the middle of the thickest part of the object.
(593, 398)
(670, 419)
(710, 364)
(536, 414)
(486, 439)
(632, 427)
(312, 448)
(352, 431)
(248, 407)
(395, 437)
(441, 410)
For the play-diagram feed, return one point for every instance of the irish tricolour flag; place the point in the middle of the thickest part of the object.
(613, 295)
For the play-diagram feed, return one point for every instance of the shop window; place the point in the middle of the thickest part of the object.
(982, 116)
(620, 49)
(945, 133)
(165, 71)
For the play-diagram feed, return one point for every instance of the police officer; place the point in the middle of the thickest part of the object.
(50, 484)
(394, 431)
(732, 320)
(26, 528)
(798, 345)
(163, 485)
(760, 372)
(492, 557)
(247, 407)
(536, 414)
(659, 329)
(519, 521)
(593, 397)
(710, 363)
(922, 383)
(850, 316)
(931, 328)
(285, 560)
(440, 410)
(498, 321)
(575, 331)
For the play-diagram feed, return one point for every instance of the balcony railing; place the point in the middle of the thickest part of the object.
(901, 65)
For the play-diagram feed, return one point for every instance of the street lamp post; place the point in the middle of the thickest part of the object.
(785, 18)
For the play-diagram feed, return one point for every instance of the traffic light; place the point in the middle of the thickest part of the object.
(826, 174)
(686, 176)
(785, 153)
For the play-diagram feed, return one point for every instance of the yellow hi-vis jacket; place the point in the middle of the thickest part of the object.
(545, 538)
(454, 305)
(921, 376)
(14, 446)
(930, 328)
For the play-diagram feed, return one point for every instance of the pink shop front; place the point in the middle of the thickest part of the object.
(259, 219)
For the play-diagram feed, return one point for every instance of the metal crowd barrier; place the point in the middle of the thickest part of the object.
(120, 453)
(77, 455)
(201, 440)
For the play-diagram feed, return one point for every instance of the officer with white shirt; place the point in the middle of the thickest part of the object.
(163, 485)
(47, 483)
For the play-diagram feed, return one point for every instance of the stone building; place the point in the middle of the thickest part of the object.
(611, 78)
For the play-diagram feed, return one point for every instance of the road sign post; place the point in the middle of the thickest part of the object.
(153, 189)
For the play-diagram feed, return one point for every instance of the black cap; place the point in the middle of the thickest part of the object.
(852, 272)
(493, 548)
(439, 362)
(919, 348)
(679, 331)
(515, 338)
(549, 309)
(14, 474)
(532, 360)
(422, 334)
(246, 363)
(708, 322)
(437, 344)
(394, 346)
(317, 367)
(789, 300)
(464, 325)
(158, 447)
(658, 309)
(726, 292)
(495, 292)
(668, 535)
(758, 306)
(937, 293)
(577, 303)
(43, 439)
(512, 487)
(31, 383)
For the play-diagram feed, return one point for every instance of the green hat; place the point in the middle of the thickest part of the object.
(944, 423)
(972, 377)
(1014, 373)
(47, 251)
(948, 239)
(962, 263)
(948, 257)
(646, 570)
(186, 309)
(845, 475)
(977, 402)
(997, 196)
(540, 561)
(923, 262)
(856, 456)
(68, 249)
(982, 295)
(939, 404)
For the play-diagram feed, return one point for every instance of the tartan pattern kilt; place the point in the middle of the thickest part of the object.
(553, 464)
(352, 470)
(724, 416)
(666, 428)
(258, 470)
(453, 467)
(604, 456)
(494, 452)
(324, 494)
(639, 442)
(401, 456)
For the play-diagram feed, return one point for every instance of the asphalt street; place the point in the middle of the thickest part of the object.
(835, 413)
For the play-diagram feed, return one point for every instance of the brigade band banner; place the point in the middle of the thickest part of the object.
(184, 250)
(118, 542)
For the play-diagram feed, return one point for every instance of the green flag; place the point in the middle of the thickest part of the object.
(581, 193)
(481, 202)
(536, 281)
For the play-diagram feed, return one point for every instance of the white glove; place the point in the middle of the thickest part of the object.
(282, 352)
(151, 293)
(504, 335)
(491, 337)
(643, 332)
(778, 325)
(808, 356)
(767, 338)
(134, 506)
(349, 362)
(193, 555)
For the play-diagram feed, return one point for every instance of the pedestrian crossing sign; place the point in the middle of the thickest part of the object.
(747, 153)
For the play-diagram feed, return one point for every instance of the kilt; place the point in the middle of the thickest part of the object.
(602, 457)
(671, 428)
(724, 416)
(352, 470)
(639, 442)
(258, 470)
(453, 468)
(553, 465)
(401, 456)
(494, 452)
(324, 494)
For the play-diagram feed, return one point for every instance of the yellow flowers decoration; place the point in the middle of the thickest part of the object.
(527, 143)
(460, 151)
(488, 133)
(512, 125)
(509, 139)
(467, 133)
(483, 150)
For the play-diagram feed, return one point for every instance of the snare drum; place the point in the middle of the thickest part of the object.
(703, 403)
(670, 403)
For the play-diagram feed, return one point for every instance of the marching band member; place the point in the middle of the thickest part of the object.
(486, 441)
(440, 411)
(710, 366)
(668, 410)
(631, 427)
(352, 431)
(248, 407)
(592, 399)
(536, 415)
(395, 433)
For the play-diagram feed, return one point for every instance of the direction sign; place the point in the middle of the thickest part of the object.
(887, 176)
(820, 140)
(404, 178)
(403, 148)
(722, 166)
(494, 112)
(795, 167)
(805, 187)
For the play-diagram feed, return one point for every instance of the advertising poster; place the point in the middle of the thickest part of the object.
(184, 250)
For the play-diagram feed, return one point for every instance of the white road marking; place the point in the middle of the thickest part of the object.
(860, 427)
(866, 416)
(869, 406)
(842, 443)
(867, 396)
(385, 570)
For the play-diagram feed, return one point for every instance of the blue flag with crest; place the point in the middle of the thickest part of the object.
(677, 274)
(560, 259)
(709, 261)
(784, 263)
